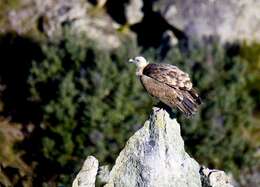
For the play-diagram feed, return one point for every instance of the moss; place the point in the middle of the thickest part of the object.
(5, 7)
(251, 52)
(251, 55)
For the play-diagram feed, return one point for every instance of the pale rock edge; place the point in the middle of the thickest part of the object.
(154, 156)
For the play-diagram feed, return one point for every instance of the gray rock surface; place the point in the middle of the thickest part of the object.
(79, 15)
(87, 175)
(103, 174)
(214, 178)
(155, 156)
(230, 20)
(134, 12)
(81, 18)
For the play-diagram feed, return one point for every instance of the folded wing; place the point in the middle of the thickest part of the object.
(171, 86)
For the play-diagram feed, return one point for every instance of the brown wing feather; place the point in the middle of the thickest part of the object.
(165, 93)
(169, 95)
(168, 74)
(171, 86)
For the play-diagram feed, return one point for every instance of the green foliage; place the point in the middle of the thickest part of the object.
(91, 100)
(251, 52)
(251, 55)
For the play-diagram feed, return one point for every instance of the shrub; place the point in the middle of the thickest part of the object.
(91, 102)
(251, 55)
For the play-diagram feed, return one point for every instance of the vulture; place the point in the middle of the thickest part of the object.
(168, 84)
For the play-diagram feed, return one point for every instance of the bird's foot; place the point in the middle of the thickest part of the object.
(161, 106)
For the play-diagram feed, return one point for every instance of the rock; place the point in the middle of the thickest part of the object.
(101, 3)
(81, 17)
(87, 175)
(49, 17)
(168, 41)
(134, 12)
(102, 29)
(155, 156)
(56, 13)
(21, 20)
(169, 38)
(103, 174)
(229, 20)
(214, 178)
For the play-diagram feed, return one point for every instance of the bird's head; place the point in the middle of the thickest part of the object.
(139, 61)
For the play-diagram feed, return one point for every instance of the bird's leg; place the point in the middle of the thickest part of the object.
(160, 105)
(163, 106)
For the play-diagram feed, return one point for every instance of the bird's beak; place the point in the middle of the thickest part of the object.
(131, 60)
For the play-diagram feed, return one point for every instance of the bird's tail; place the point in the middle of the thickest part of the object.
(190, 102)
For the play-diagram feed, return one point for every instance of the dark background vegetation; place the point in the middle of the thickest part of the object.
(64, 100)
